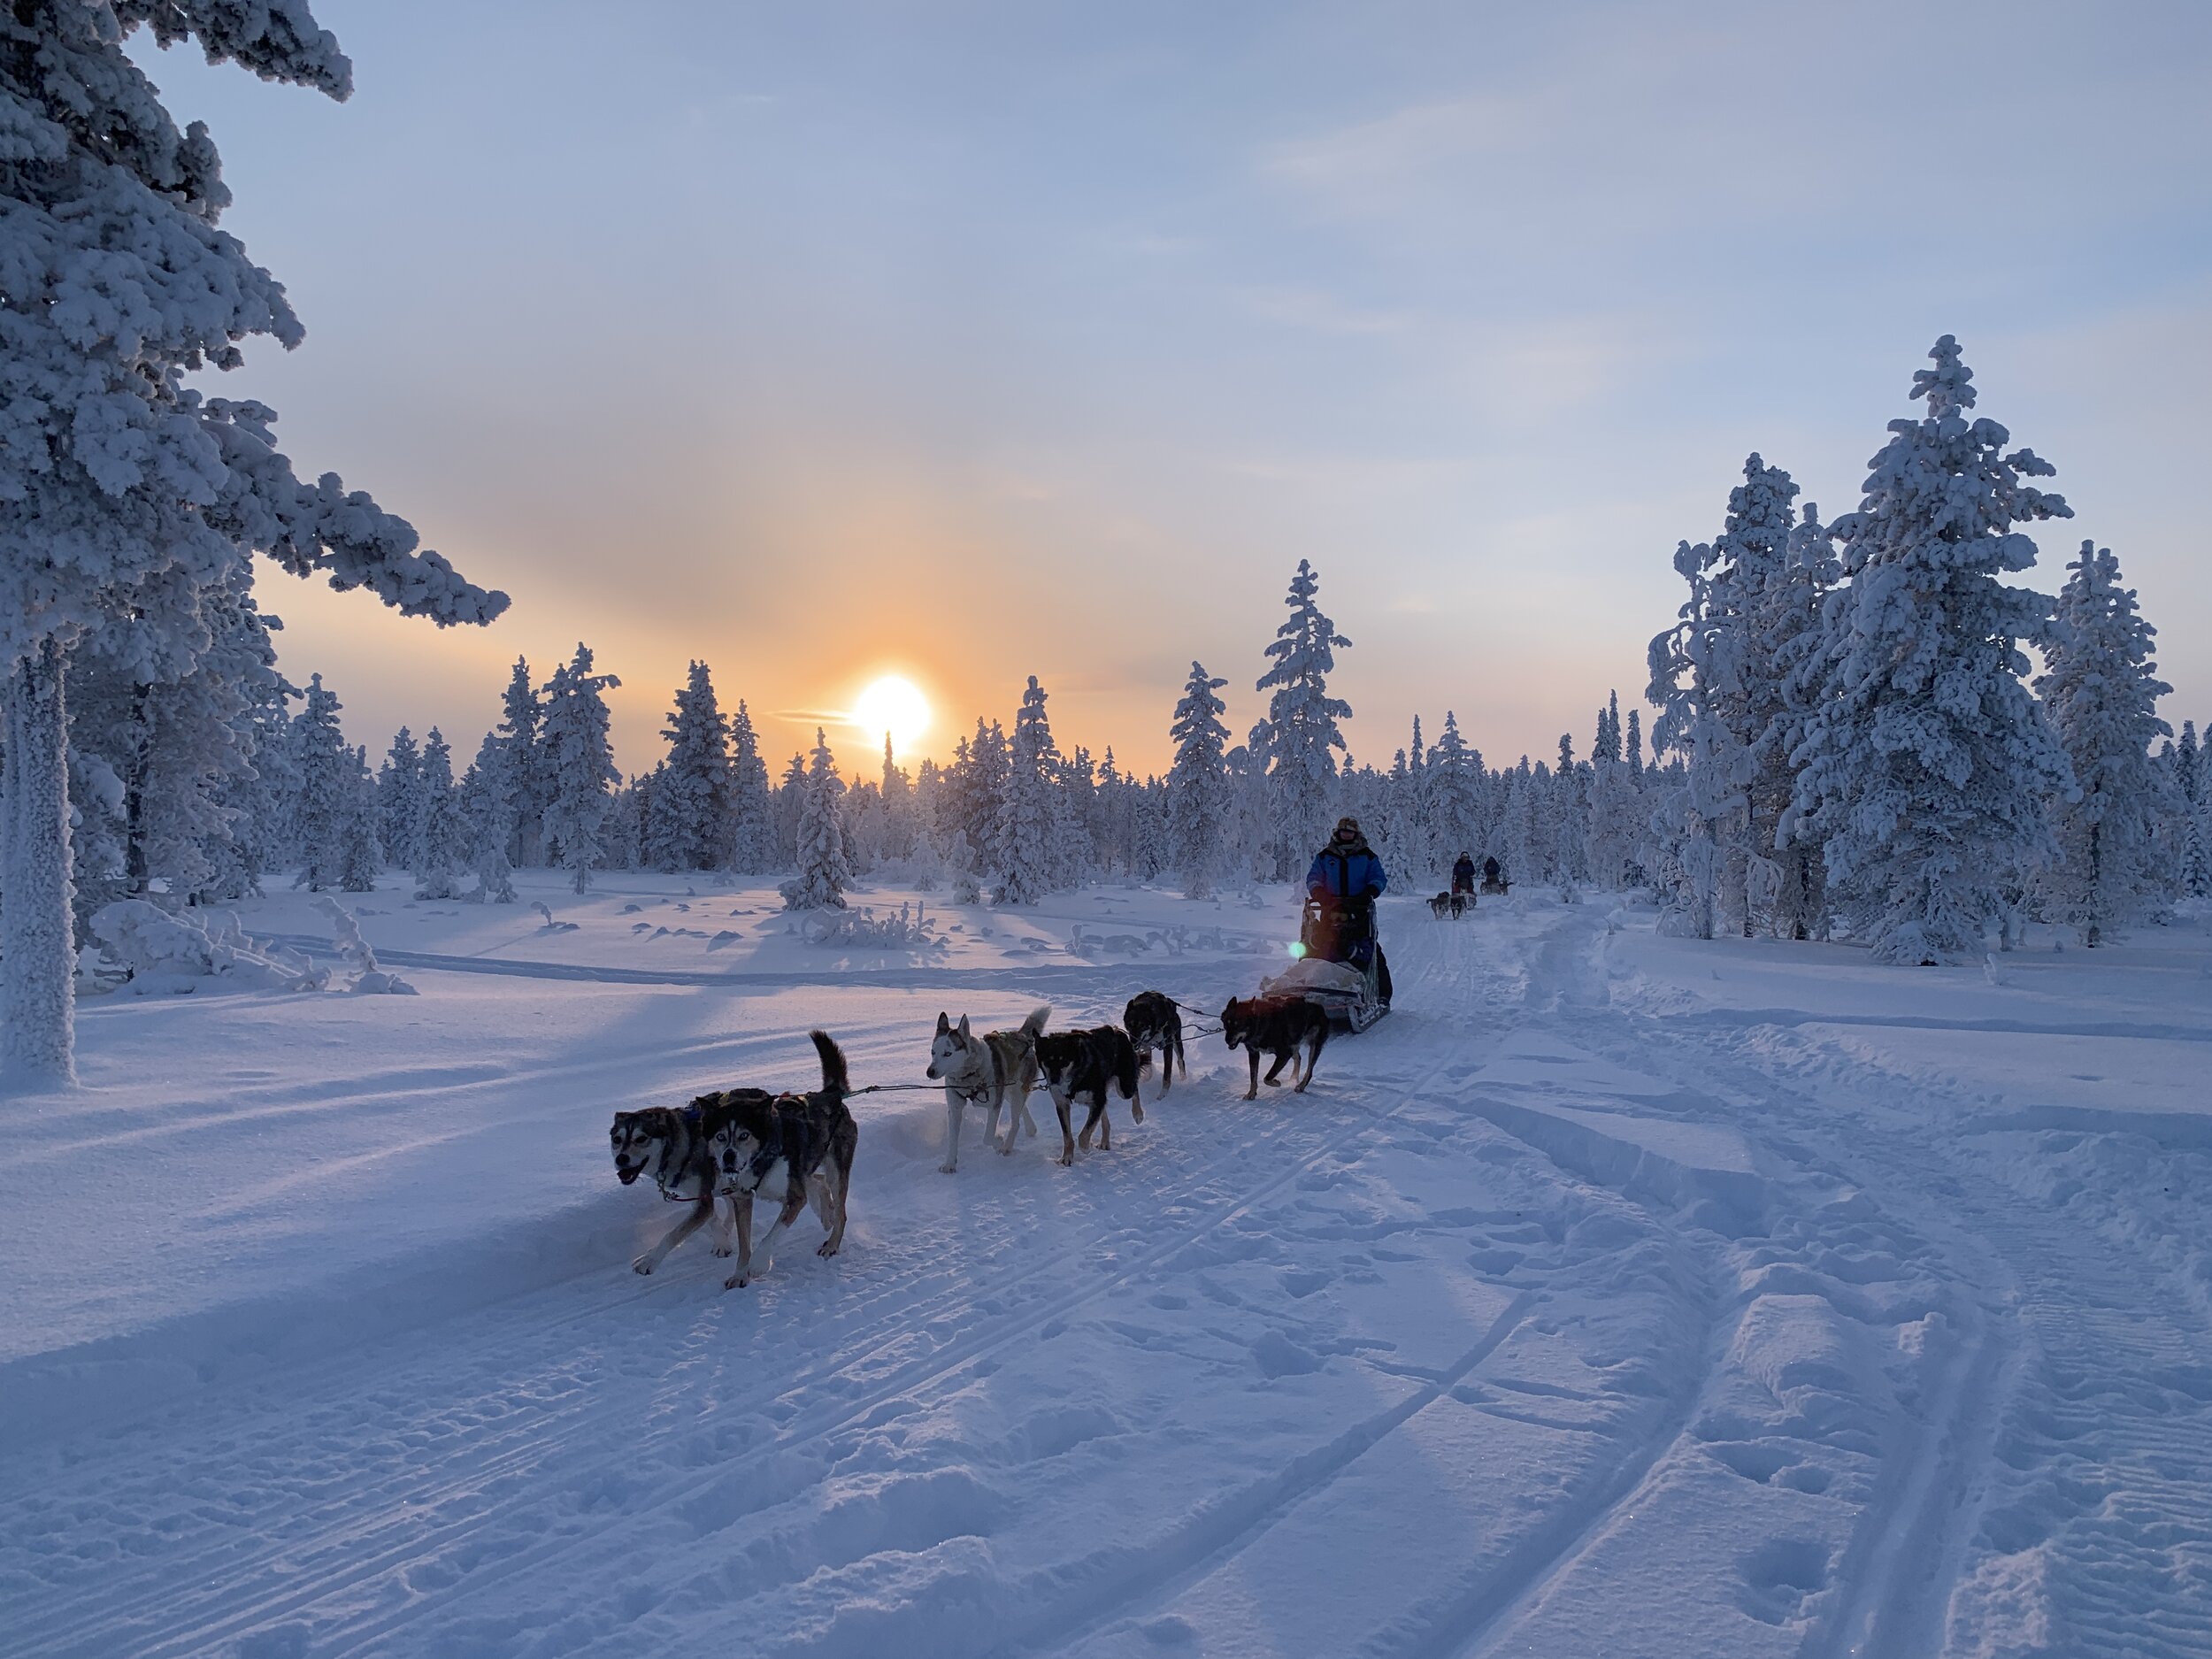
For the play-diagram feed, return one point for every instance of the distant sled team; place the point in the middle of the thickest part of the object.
(737, 1145)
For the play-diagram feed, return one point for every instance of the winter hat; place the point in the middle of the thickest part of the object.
(1351, 823)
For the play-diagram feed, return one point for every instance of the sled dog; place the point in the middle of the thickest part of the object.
(997, 1068)
(670, 1144)
(1279, 1025)
(791, 1147)
(1081, 1066)
(1154, 1025)
(1452, 904)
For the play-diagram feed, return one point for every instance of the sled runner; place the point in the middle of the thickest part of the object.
(1340, 968)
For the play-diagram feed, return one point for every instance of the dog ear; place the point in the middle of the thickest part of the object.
(963, 1028)
(943, 1025)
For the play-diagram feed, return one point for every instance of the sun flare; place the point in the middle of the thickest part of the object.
(894, 705)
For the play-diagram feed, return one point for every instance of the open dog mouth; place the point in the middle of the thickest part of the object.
(627, 1173)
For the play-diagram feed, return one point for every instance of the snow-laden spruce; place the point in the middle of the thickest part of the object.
(579, 765)
(1028, 840)
(1199, 808)
(752, 821)
(441, 836)
(1448, 797)
(2100, 688)
(399, 799)
(128, 491)
(1715, 689)
(1788, 643)
(1926, 764)
(1304, 729)
(695, 794)
(824, 868)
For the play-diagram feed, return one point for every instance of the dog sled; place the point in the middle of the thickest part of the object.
(1339, 966)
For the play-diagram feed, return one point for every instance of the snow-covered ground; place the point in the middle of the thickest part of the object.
(1618, 1295)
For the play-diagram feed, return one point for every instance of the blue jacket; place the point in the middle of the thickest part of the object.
(1354, 874)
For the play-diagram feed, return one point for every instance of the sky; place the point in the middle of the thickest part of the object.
(973, 342)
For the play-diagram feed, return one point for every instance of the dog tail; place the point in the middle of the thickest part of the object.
(835, 1080)
(1033, 1026)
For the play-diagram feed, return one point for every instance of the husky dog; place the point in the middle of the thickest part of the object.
(1081, 1066)
(792, 1149)
(997, 1068)
(1155, 1024)
(671, 1145)
(1279, 1025)
(1440, 906)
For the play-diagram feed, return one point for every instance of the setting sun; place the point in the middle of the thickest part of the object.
(894, 705)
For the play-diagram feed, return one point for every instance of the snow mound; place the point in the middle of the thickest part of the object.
(168, 950)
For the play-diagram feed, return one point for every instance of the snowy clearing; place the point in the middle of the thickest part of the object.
(1618, 1294)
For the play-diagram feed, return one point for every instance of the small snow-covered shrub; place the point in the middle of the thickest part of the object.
(369, 980)
(908, 930)
(173, 950)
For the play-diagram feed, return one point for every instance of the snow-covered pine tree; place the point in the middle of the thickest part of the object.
(1635, 743)
(325, 806)
(789, 806)
(824, 871)
(1788, 634)
(1926, 764)
(752, 817)
(1199, 804)
(1303, 727)
(1452, 798)
(2100, 689)
(399, 800)
(2191, 779)
(130, 492)
(1607, 750)
(579, 762)
(441, 836)
(358, 859)
(693, 793)
(1027, 822)
(521, 717)
(1755, 543)
(1695, 682)
(492, 821)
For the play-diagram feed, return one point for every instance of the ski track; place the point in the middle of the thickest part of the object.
(2028, 1434)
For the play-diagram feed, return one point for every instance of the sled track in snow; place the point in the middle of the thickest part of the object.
(355, 1549)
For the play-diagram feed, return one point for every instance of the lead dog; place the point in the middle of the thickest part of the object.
(1082, 1065)
(790, 1149)
(1281, 1026)
(1154, 1025)
(997, 1068)
(670, 1144)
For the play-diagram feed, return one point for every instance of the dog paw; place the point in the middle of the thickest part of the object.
(828, 1246)
(641, 1264)
(737, 1281)
(1137, 1112)
(725, 1250)
(1007, 1151)
(948, 1169)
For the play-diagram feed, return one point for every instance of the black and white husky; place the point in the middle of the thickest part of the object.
(997, 1068)
(1081, 1066)
(791, 1149)
(669, 1143)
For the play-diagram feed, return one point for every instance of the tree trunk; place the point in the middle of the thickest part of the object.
(38, 954)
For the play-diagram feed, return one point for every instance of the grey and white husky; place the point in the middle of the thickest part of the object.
(995, 1070)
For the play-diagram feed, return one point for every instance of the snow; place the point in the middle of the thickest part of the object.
(1620, 1294)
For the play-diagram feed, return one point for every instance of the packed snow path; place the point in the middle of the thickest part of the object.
(1572, 1311)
